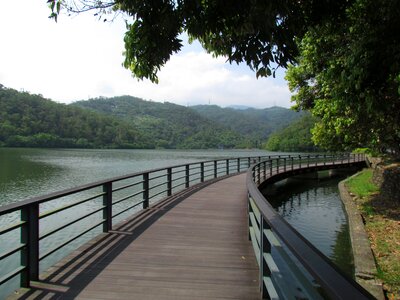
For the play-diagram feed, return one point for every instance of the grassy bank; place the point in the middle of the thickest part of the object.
(382, 223)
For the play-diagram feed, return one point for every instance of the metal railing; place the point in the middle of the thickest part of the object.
(48, 225)
(290, 267)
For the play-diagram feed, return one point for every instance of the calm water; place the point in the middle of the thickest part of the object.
(25, 173)
(314, 208)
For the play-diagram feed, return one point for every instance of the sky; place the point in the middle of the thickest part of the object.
(81, 57)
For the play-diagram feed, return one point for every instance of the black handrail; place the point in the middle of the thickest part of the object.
(141, 191)
(267, 229)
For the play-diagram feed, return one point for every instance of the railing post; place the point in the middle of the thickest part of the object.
(349, 156)
(107, 203)
(308, 161)
(300, 161)
(169, 181)
(249, 162)
(227, 167)
(30, 237)
(187, 176)
(258, 173)
(238, 165)
(277, 165)
(324, 159)
(215, 169)
(284, 164)
(270, 168)
(249, 211)
(265, 247)
(265, 169)
(202, 172)
(145, 190)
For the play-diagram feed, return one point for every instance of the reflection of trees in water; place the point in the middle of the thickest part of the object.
(291, 196)
(19, 172)
(342, 251)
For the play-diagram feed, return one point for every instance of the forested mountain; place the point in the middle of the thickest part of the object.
(30, 120)
(129, 122)
(256, 124)
(167, 125)
(294, 137)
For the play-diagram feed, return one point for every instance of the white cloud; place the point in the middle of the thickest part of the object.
(81, 57)
(197, 78)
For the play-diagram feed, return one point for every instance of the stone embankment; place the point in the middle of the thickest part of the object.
(387, 178)
(364, 262)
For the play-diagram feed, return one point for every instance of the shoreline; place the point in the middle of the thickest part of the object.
(364, 262)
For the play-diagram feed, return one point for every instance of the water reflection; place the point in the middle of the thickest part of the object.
(19, 173)
(25, 173)
(313, 207)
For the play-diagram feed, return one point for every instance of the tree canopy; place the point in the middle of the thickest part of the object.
(258, 32)
(345, 54)
(348, 74)
(295, 137)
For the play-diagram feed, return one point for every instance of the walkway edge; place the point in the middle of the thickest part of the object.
(364, 262)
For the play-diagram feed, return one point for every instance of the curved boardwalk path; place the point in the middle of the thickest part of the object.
(192, 246)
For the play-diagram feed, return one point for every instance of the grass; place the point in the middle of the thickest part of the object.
(382, 223)
(361, 184)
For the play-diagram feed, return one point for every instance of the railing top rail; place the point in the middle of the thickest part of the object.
(333, 280)
(44, 198)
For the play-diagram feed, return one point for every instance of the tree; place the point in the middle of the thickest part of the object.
(348, 74)
(345, 53)
(295, 137)
(258, 32)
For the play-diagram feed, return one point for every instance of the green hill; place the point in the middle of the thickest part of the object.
(30, 120)
(167, 125)
(295, 137)
(256, 124)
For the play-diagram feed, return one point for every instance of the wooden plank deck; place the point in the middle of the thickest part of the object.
(188, 247)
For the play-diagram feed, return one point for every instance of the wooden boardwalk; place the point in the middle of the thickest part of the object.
(189, 247)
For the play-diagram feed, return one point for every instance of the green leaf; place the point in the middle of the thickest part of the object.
(58, 7)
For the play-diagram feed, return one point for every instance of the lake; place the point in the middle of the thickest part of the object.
(25, 173)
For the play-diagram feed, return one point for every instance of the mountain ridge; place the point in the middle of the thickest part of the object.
(255, 123)
(130, 122)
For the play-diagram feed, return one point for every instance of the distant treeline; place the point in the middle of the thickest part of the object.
(31, 121)
(295, 137)
(28, 120)
(167, 125)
